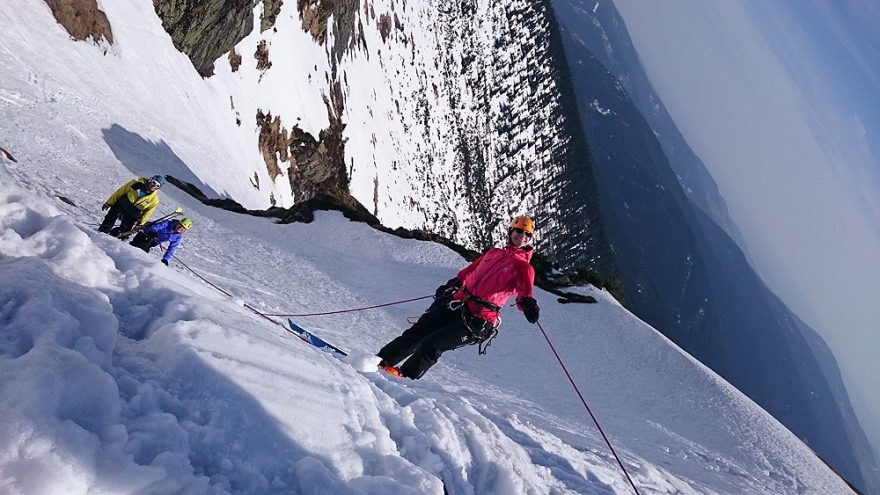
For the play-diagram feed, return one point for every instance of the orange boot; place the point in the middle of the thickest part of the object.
(391, 370)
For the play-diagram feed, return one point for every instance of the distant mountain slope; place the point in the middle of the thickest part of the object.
(684, 274)
(598, 26)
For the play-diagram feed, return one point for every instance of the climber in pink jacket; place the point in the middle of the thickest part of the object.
(465, 309)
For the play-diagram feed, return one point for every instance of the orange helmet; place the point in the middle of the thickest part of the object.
(523, 222)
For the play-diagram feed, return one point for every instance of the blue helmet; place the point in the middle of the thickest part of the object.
(158, 179)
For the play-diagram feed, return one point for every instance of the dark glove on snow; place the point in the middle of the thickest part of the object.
(165, 262)
(453, 283)
(530, 309)
(105, 206)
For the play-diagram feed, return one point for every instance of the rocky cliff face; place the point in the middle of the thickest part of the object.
(82, 19)
(469, 101)
(206, 30)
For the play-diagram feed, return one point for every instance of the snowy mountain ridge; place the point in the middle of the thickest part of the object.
(676, 253)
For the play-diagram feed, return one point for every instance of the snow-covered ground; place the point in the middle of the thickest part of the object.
(121, 375)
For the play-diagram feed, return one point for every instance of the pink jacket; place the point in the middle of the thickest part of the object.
(495, 276)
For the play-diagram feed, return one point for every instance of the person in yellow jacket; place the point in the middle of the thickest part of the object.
(134, 202)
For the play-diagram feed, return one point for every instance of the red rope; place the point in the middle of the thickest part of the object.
(246, 305)
(590, 411)
(355, 309)
(267, 316)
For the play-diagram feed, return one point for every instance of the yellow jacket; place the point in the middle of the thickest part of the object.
(146, 203)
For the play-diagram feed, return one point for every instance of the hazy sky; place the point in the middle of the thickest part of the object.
(781, 100)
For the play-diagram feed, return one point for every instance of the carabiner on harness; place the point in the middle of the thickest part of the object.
(483, 345)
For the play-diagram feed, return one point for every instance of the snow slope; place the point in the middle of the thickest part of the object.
(120, 375)
(124, 376)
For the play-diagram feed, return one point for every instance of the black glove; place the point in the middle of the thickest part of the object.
(530, 309)
(165, 262)
(105, 206)
(453, 283)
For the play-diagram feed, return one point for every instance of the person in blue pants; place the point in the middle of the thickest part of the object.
(169, 230)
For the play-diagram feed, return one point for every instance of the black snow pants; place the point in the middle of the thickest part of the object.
(437, 331)
(124, 209)
(144, 241)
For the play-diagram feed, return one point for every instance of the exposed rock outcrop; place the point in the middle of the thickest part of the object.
(205, 29)
(262, 56)
(313, 165)
(271, 9)
(314, 16)
(234, 60)
(384, 26)
(82, 19)
(274, 142)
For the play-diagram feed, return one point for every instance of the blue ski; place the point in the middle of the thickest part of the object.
(314, 340)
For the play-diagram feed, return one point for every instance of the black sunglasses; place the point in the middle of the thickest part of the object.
(521, 231)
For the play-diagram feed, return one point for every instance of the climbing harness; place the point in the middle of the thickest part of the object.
(482, 331)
